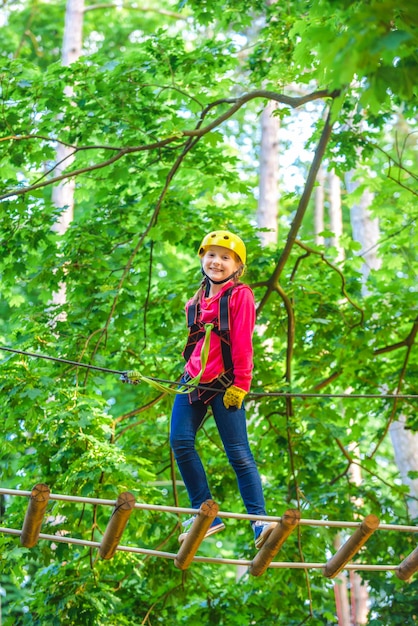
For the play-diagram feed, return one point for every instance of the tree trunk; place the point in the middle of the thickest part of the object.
(405, 446)
(365, 229)
(335, 212)
(267, 214)
(342, 603)
(63, 193)
(319, 206)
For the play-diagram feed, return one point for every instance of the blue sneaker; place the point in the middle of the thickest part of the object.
(262, 531)
(216, 526)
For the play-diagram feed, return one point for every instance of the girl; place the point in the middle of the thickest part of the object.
(228, 304)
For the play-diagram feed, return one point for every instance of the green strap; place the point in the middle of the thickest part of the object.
(194, 381)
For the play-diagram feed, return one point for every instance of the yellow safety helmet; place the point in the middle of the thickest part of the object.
(225, 239)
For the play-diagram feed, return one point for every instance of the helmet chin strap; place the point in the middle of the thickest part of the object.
(208, 281)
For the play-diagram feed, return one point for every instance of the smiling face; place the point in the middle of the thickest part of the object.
(219, 263)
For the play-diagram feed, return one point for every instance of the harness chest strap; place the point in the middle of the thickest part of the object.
(221, 328)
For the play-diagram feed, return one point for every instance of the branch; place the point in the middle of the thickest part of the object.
(398, 182)
(194, 137)
(409, 342)
(147, 297)
(173, 478)
(301, 210)
(290, 331)
(46, 138)
(190, 144)
(129, 7)
(328, 380)
(390, 236)
(122, 152)
(27, 32)
(341, 275)
(197, 132)
(291, 101)
(140, 409)
(393, 161)
(161, 598)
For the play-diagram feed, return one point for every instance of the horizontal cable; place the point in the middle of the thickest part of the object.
(265, 394)
(199, 559)
(225, 514)
(285, 394)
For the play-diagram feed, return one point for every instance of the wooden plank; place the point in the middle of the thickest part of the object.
(336, 563)
(278, 536)
(207, 513)
(408, 567)
(114, 530)
(35, 512)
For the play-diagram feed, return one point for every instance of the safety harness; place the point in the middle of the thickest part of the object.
(221, 326)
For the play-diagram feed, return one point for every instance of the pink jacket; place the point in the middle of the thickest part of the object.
(242, 321)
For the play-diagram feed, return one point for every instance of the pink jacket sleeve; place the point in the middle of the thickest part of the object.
(242, 322)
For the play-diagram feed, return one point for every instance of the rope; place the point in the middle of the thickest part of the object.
(194, 385)
(156, 382)
(134, 376)
(200, 559)
(225, 514)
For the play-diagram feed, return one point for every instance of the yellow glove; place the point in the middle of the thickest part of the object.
(234, 397)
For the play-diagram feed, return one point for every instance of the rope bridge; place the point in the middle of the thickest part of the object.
(40, 495)
(125, 504)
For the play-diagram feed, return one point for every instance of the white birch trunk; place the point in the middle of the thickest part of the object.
(359, 594)
(405, 446)
(319, 206)
(267, 213)
(335, 213)
(342, 601)
(63, 193)
(365, 230)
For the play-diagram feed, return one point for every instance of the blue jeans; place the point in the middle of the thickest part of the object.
(186, 419)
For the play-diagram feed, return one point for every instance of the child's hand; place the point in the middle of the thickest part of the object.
(234, 397)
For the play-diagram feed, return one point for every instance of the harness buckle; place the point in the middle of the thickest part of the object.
(226, 379)
(186, 377)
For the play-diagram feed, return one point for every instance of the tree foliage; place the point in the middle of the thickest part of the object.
(163, 123)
